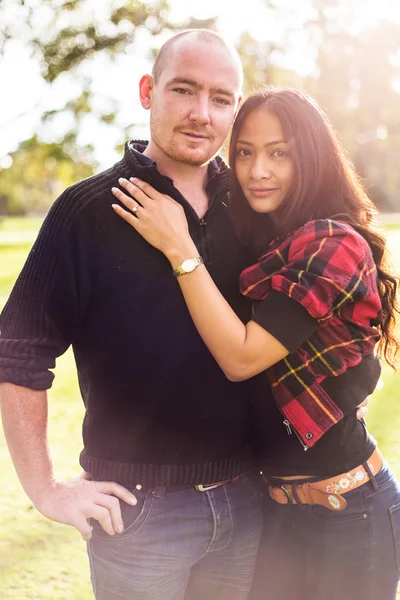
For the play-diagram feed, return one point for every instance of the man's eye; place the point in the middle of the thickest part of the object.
(222, 101)
(182, 91)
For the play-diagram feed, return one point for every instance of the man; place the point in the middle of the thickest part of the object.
(161, 419)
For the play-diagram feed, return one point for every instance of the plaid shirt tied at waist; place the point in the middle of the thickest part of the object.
(328, 268)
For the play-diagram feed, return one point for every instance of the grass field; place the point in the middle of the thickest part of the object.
(41, 560)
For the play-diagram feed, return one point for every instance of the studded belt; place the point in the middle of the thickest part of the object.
(327, 492)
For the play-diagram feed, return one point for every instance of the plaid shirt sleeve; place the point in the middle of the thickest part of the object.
(328, 268)
(324, 266)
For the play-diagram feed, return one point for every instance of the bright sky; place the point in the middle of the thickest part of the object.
(27, 95)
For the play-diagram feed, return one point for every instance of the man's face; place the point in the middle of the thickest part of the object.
(194, 102)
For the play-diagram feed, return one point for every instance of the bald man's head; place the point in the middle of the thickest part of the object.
(193, 95)
(178, 42)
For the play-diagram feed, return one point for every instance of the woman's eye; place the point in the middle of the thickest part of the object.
(243, 152)
(280, 153)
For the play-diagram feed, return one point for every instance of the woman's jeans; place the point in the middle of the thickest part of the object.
(180, 543)
(313, 553)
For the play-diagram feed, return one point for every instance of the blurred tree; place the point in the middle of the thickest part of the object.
(354, 73)
(356, 78)
(259, 65)
(355, 81)
(65, 37)
(64, 34)
(40, 171)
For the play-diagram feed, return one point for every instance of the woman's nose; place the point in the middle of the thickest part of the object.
(260, 170)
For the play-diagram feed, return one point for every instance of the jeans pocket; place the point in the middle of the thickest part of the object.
(355, 510)
(133, 517)
(394, 512)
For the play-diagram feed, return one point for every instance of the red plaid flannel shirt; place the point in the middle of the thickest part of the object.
(328, 268)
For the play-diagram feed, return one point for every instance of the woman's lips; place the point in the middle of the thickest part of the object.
(262, 192)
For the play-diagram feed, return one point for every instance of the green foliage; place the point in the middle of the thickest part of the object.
(71, 45)
(74, 32)
(356, 75)
(40, 171)
(62, 35)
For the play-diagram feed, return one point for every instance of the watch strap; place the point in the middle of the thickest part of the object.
(180, 270)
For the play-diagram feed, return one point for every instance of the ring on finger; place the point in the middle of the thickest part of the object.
(135, 208)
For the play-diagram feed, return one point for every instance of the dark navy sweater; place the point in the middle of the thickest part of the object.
(158, 408)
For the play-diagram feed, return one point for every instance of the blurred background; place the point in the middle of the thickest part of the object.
(69, 73)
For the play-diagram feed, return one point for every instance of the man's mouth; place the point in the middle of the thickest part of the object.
(195, 135)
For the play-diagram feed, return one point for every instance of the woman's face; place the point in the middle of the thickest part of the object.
(264, 166)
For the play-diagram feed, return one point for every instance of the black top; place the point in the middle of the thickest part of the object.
(159, 410)
(347, 444)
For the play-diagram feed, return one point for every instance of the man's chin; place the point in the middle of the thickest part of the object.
(193, 156)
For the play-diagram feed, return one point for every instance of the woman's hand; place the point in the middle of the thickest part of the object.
(241, 350)
(157, 217)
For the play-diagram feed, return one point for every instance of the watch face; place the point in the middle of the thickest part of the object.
(188, 265)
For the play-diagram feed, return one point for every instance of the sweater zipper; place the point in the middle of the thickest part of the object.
(289, 427)
(201, 221)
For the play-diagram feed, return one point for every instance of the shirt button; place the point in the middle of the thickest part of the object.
(138, 486)
(309, 436)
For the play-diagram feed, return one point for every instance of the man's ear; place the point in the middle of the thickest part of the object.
(146, 85)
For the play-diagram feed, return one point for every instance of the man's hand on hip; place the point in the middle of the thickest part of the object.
(74, 502)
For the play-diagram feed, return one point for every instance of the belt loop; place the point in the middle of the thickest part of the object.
(371, 476)
(295, 494)
(159, 492)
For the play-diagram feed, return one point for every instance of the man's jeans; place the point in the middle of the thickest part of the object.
(180, 543)
(313, 553)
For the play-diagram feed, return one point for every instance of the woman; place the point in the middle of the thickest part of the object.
(324, 300)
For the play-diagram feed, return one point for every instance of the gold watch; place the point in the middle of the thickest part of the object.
(188, 265)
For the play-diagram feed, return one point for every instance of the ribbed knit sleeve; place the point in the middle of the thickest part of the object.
(42, 314)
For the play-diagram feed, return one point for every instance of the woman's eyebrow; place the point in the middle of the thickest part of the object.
(268, 144)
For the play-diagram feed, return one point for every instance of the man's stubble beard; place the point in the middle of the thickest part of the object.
(180, 156)
(176, 154)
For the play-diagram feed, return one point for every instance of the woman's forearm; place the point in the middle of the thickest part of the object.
(241, 350)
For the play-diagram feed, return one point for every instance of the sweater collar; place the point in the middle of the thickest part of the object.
(218, 172)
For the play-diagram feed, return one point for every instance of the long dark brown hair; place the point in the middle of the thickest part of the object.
(325, 185)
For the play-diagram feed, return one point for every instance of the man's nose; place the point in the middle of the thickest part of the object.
(200, 112)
